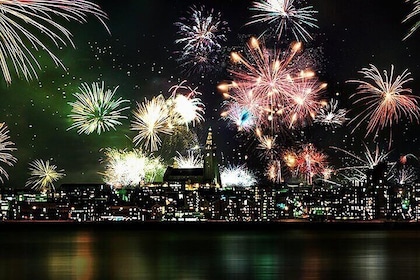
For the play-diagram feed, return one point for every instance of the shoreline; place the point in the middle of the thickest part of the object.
(214, 225)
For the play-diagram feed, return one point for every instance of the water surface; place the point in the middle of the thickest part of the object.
(46, 252)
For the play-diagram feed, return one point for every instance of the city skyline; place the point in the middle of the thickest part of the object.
(139, 59)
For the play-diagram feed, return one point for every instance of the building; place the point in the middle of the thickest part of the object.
(194, 177)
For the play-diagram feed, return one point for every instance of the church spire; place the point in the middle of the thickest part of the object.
(211, 167)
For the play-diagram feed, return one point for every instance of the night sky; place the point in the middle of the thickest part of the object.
(139, 57)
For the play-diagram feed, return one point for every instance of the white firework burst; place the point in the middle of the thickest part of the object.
(186, 107)
(6, 146)
(96, 109)
(130, 168)
(43, 175)
(237, 176)
(201, 35)
(285, 16)
(331, 115)
(151, 118)
(190, 160)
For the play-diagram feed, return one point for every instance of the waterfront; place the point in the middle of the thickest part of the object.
(114, 252)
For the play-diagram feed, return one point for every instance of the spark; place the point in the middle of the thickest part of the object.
(24, 23)
(239, 116)
(237, 176)
(95, 109)
(43, 175)
(331, 115)
(290, 159)
(151, 118)
(285, 16)
(130, 167)
(384, 100)
(6, 147)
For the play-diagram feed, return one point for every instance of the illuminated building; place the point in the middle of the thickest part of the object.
(192, 178)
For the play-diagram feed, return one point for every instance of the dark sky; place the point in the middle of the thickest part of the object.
(138, 56)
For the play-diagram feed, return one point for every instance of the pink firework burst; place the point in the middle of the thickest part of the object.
(384, 100)
(266, 73)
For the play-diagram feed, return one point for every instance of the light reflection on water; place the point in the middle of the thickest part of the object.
(51, 253)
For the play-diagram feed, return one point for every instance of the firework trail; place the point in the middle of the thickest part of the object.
(414, 13)
(95, 109)
(284, 16)
(24, 23)
(43, 175)
(384, 100)
(201, 35)
(6, 146)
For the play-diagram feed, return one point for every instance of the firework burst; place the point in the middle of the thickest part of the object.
(185, 106)
(21, 20)
(191, 160)
(151, 118)
(310, 162)
(201, 35)
(285, 16)
(95, 109)
(130, 168)
(414, 13)
(242, 107)
(331, 115)
(263, 84)
(43, 175)
(267, 144)
(237, 176)
(6, 146)
(404, 175)
(385, 100)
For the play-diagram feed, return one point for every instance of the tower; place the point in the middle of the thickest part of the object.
(211, 167)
